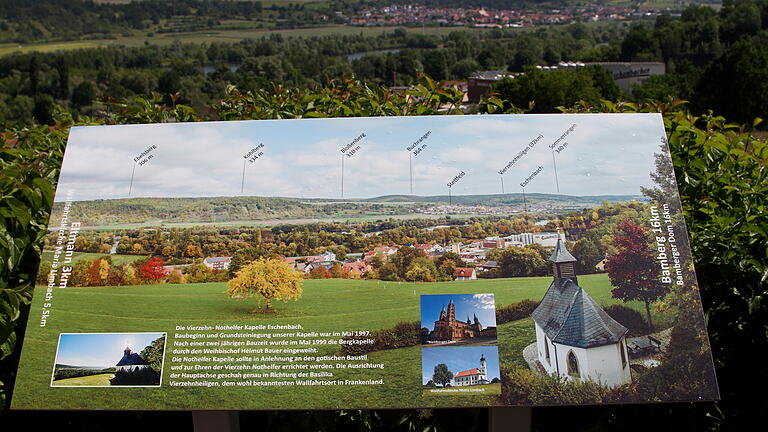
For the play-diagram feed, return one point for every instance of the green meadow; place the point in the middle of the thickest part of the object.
(90, 380)
(326, 305)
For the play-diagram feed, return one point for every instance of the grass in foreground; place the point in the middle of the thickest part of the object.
(90, 380)
(326, 305)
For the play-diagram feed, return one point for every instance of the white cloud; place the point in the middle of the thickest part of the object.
(483, 301)
(607, 154)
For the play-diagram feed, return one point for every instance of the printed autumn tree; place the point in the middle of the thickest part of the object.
(152, 269)
(98, 272)
(442, 375)
(633, 269)
(269, 278)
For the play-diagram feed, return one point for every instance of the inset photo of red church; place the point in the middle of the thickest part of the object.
(458, 320)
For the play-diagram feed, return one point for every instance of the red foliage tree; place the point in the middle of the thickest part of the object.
(93, 277)
(633, 270)
(152, 269)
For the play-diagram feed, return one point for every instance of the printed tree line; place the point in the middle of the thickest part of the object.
(182, 244)
(144, 271)
(215, 209)
(185, 248)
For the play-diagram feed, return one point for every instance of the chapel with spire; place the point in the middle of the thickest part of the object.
(575, 337)
(131, 361)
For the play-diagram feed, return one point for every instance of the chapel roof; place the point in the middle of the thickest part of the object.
(131, 359)
(569, 316)
(561, 254)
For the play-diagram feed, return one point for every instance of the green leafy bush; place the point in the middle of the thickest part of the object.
(64, 373)
(525, 387)
(515, 311)
(145, 376)
(629, 318)
(721, 174)
(403, 334)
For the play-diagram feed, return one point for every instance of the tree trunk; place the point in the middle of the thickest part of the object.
(267, 304)
(648, 312)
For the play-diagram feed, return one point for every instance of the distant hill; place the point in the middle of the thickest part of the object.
(512, 199)
(231, 209)
(63, 366)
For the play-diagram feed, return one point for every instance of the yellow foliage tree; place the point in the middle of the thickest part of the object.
(269, 278)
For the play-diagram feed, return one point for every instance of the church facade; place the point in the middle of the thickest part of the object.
(472, 376)
(575, 337)
(448, 328)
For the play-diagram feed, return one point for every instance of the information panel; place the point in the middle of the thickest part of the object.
(366, 263)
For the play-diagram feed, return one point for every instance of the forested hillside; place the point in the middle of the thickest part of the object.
(229, 209)
(712, 58)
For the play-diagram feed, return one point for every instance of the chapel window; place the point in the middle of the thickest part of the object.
(573, 365)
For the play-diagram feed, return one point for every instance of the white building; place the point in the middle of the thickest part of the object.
(546, 239)
(328, 256)
(575, 337)
(472, 376)
(217, 263)
(464, 273)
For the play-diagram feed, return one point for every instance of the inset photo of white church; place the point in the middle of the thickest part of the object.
(109, 360)
(460, 370)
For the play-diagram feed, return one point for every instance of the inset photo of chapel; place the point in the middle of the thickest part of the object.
(460, 371)
(458, 320)
(109, 360)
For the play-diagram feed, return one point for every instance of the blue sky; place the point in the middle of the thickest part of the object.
(606, 154)
(459, 359)
(100, 349)
(466, 304)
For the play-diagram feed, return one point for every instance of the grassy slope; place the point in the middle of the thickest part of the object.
(90, 380)
(326, 305)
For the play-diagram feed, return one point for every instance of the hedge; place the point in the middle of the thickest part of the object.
(721, 174)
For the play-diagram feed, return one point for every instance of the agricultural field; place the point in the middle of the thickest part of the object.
(326, 305)
(117, 259)
(229, 35)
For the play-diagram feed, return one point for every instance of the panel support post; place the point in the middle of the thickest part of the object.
(216, 421)
(509, 419)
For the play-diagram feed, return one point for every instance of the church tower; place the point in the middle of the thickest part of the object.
(563, 263)
(451, 311)
(482, 364)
